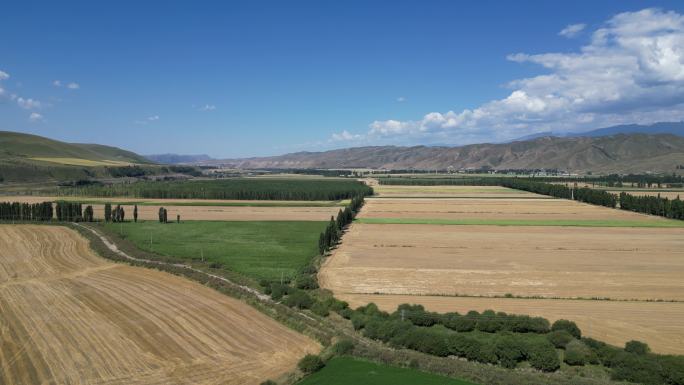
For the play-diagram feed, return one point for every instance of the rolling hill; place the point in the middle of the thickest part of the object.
(623, 153)
(25, 157)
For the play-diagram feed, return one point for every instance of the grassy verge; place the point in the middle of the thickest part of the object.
(521, 222)
(260, 250)
(350, 371)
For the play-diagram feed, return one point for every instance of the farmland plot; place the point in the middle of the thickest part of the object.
(452, 191)
(468, 267)
(68, 316)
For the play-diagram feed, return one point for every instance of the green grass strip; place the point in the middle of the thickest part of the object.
(351, 371)
(522, 222)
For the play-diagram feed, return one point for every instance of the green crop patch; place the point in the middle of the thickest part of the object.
(523, 222)
(349, 371)
(260, 250)
(236, 188)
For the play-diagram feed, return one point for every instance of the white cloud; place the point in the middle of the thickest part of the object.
(70, 85)
(28, 104)
(207, 107)
(4, 75)
(572, 30)
(401, 99)
(631, 71)
(35, 117)
(147, 120)
(346, 136)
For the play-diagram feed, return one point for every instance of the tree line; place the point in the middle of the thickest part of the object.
(584, 194)
(19, 211)
(232, 188)
(331, 236)
(653, 205)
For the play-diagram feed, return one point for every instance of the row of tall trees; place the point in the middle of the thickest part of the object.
(331, 236)
(163, 215)
(69, 211)
(18, 211)
(584, 194)
(654, 205)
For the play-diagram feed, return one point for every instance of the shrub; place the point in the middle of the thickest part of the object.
(268, 382)
(542, 356)
(509, 352)
(299, 299)
(636, 368)
(559, 338)
(311, 363)
(637, 347)
(320, 308)
(577, 353)
(337, 305)
(307, 282)
(346, 313)
(358, 320)
(278, 291)
(568, 326)
(343, 346)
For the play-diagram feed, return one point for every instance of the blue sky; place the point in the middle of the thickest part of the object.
(235, 79)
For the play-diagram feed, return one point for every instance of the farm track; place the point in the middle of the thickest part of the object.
(93, 321)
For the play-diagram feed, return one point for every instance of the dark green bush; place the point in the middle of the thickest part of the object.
(310, 363)
(307, 282)
(579, 354)
(299, 299)
(278, 291)
(560, 338)
(637, 347)
(508, 350)
(269, 382)
(320, 308)
(542, 356)
(568, 326)
(343, 346)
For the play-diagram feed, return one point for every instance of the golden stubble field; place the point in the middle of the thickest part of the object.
(204, 212)
(439, 266)
(68, 316)
(485, 208)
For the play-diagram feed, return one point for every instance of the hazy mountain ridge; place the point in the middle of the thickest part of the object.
(616, 153)
(178, 158)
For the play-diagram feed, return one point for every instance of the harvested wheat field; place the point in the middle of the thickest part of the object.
(659, 324)
(69, 317)
(509, 208)
(566, 262)
(452, 191)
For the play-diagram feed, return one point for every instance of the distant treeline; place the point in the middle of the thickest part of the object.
(505, 339)
(584, 194)
(456, 181)
(311, 171)
(62, 211)
(654, 205)
(238, 188)
(19, 211)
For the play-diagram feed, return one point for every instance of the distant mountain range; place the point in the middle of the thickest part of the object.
(674, 128)
(178, 159)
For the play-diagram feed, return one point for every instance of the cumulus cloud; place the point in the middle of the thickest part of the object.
(4, 75)
(35, 117)
(207, 107)
(401, 99)
(27, 104)
(630, 71)
(572, 30)
(69, 85)
(346, 136)
(147, 120)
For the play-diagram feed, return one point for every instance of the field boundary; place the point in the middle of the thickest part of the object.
(522, 222)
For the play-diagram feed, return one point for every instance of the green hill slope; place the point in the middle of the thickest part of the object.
(25, 157)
